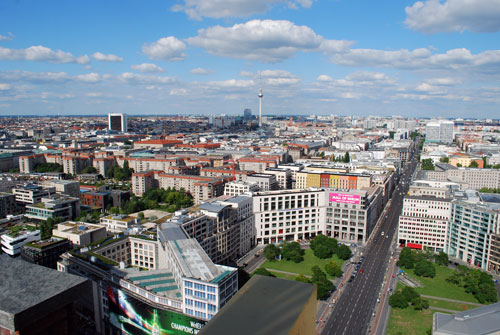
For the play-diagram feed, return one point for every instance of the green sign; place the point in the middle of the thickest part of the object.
(135, 317)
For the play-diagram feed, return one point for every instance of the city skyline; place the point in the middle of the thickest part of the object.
(421, 59)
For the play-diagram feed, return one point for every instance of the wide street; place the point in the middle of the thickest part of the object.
(353, 310)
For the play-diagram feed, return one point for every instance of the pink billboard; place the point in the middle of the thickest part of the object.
(344, 198)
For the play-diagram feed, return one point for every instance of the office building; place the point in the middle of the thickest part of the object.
(38, 300)
(235, 188)
(118, 122)
(481, 320)
(80, 233)
(56, 206)
(7, 204)
(259, 296)
(45, 252)
(31, 194)
(439, 131)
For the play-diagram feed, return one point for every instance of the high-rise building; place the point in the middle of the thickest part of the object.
(118, 122)
(247, 114)
(439, 131)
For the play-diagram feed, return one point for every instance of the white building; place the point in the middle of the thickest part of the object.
(11, 244)
(236, 188)
(423, 222)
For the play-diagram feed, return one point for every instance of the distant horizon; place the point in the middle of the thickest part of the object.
(428, 58)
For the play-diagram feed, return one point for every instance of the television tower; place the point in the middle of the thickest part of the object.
(260, 103)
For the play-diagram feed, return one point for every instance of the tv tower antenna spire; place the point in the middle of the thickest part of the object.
(260, 101)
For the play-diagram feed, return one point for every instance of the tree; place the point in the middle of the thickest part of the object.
(409, 293)
(391, 134)
(89, 169)
(406, 258)
(263, 272)
(344, 252)
(398, 300)
(419, 304)
(333, 269)
(427, 164)
(140, 216)
(271, 252)
(114, 210)
(323, 246)
(302, 278)
(425, 268)
(459, 165)
(444, 160)
(324, 286)
(347, 158)
(292, 251)
(474, 164)
(442, 258)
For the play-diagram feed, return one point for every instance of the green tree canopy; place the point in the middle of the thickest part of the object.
(427, 164)
(263, 272)
(344, 252)
(292, 251)
(425, 268)
(300, 277)
(442, 258)
(333, 269)
(324, 286)
(406, 258)
(271, 252)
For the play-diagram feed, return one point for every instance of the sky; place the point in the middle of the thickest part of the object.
(431, 58)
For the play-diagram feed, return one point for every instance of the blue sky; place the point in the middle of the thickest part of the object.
(343, 57)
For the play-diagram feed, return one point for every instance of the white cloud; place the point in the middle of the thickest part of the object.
(268, 41)
(35, 77)
(179, 91)
(444, 81)
(94, 94)
(196, 9)
(433, 16)
(133, 78)
(8, 37)
(41, 54)
(89, 77)
(418, 59)
(106, 58)
(324, 77)
(167, 48)
(201, 71)
(246, 74)
(4, 87)
(231, 83)
(148, 67)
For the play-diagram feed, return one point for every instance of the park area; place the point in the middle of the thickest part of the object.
(303, 267)
(436, 291)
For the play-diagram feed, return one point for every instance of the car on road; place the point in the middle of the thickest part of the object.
(382, 234)
(361, 271)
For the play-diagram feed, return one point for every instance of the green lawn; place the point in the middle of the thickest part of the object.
(283, 275)
(439, 287)
(303, 267)
(409, 321)
(449, 305)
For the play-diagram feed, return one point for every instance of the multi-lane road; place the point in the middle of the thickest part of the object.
(353, 311)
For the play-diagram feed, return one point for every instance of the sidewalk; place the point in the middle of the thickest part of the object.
(452, 300)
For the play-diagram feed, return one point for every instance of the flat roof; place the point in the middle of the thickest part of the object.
(481, 320)
(264, 305)
(20, 292)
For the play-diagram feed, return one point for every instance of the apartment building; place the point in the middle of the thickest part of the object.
(118, 223)
(257, 164)
(470, 178)
(201, 188)
(12, 243)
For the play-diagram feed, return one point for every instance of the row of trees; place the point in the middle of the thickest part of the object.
(489, 190)
(408, 296)
(324, 285)
(168, 200)
(48, 167)
(476, 282)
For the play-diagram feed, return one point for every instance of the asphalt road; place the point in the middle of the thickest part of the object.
(353, 310)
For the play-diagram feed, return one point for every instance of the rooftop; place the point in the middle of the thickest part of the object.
(264, 305)
(19, 292)
(482, 320)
